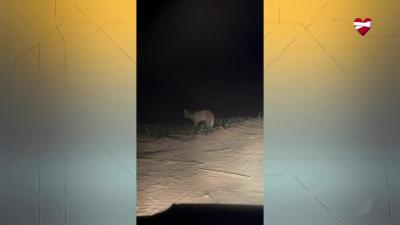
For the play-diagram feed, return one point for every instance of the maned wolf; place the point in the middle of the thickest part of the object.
(197, 117)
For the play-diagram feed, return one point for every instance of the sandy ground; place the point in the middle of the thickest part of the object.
(223, 167)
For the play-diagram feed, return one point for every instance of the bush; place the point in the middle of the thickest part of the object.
(185, 131)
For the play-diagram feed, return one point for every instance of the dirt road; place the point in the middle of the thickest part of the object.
(224, 167)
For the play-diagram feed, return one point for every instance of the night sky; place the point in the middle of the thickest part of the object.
(199, 54)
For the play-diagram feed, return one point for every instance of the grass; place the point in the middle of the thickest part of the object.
(185, 131)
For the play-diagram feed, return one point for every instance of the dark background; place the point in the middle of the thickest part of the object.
(199, 54)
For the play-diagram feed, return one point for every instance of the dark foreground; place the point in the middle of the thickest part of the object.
(206, 214)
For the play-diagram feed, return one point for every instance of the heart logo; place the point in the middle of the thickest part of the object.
(362, 26)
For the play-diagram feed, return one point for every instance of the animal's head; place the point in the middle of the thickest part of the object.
(186, 113)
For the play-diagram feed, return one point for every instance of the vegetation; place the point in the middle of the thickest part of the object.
(185, 131)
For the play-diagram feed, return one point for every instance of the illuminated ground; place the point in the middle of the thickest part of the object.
(225, 167)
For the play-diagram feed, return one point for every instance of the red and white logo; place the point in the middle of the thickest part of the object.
(362, 26)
